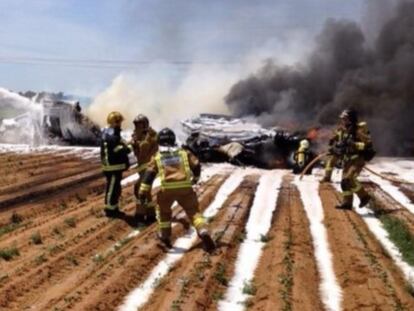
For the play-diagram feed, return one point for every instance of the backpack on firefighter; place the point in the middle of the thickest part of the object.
(302, 157)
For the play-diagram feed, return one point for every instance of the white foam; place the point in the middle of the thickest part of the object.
(393, 191)
(402, 167)
(251, 249)
(25, 148)
(329, 288)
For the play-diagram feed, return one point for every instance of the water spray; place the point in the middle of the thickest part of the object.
(25, 128)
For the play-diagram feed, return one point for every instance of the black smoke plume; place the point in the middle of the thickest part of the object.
(343, 71)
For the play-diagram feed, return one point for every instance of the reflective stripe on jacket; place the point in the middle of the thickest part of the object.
(114, 151)
(174, 169)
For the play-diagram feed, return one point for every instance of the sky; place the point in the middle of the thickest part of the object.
(81, 46)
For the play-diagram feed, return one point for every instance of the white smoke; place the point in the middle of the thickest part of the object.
(167, 98)
(201, 90)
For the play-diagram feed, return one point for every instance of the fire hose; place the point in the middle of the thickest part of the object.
(311, 163)
(316, 159)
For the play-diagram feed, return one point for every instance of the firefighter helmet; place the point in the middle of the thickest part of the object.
(114, 118)
(349, 114)
(141, 119)
(166, 137)
(304, 143)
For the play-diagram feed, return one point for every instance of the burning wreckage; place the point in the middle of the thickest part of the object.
(213, 138)
(219, 138)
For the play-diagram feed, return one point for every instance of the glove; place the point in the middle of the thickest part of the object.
(351, 148)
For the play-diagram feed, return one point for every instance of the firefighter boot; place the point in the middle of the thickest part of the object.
(140, 213)
(112, 212)
(165, 241)
(347, 195)
(150, 217)
(208, 243)
(365, 200)
(363, 196)
(139, 220)
(344, 206)
(346, 203)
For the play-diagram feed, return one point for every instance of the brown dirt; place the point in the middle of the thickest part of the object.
(59, 195)
(116, 272)
(287, 277)
(20, 185)
(368, 278)
(196, 282)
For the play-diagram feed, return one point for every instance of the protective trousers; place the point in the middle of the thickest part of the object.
(329, 166)
(350, 184)
(149, 208)
(187, 199)
(113, 189)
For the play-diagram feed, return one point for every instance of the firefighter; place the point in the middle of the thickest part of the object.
(77, 107)
(178, 170)
(302, 157)
(145, 145)
(114, 158)
(352, 144)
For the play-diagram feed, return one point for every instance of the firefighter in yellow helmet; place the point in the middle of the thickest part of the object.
(145, 145)
(178, 169)
(302, 157)
(114, 159)
(352, 144)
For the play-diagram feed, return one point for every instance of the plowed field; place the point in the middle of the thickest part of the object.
(281, 244)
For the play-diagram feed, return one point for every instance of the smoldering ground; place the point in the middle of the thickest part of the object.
(372, 71)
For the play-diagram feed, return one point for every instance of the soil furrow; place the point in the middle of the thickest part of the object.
(198, 279)
(367, 276)
(106, 285)
(46, 188)
(12, 158)
(60, 171)
(72, 194)
(57, 276)
(287, 276)
(61, 231)
(47, 161)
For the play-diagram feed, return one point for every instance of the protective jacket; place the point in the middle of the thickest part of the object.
(356, 148)
(145, 148)
(353, 143)
(177, 168)
(114, 150)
